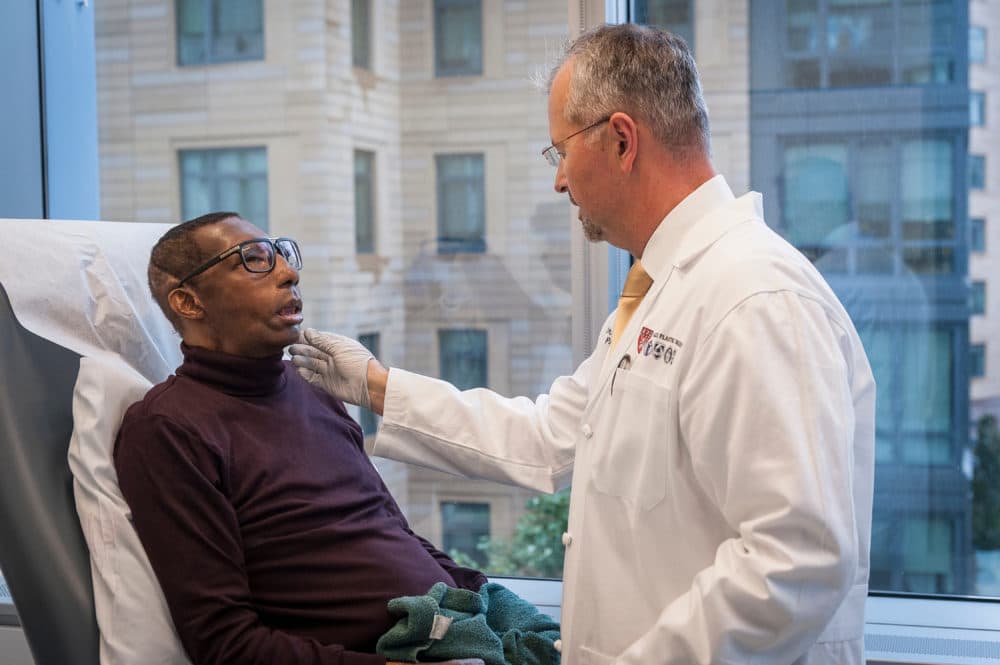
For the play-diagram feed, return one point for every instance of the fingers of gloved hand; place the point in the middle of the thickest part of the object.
(328, 342)
(304, 350)
(315, 365)
(310, 376)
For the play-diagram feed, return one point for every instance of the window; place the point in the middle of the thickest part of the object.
(977, 297)
(977, 108)
(364, 201)
(677, 16)
(977, 171)
(977, 234)
(977, 44)
(977, 360)
(210, 31)
(461, 203)
(463, 358)
(458, 37)
(843, 43)
(233, 179)
(369, 419)
(463, 526)
(361, 33)
(838, 206)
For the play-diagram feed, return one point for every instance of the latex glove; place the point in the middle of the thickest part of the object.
(337, 364)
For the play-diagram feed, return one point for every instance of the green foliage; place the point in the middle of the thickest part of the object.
(535, 549)
(986, 486)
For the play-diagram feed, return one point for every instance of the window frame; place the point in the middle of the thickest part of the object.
(368, 419)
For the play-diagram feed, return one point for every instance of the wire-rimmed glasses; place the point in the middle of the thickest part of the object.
(552, 155)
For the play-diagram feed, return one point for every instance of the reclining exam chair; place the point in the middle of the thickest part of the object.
(57, 290)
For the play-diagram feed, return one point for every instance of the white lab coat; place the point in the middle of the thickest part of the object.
(721, 455)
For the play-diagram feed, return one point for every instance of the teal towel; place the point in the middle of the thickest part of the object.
(495, 625)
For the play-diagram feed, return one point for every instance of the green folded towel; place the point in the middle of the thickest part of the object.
(495, 625)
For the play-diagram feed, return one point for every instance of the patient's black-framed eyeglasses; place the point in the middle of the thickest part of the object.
(256, 254)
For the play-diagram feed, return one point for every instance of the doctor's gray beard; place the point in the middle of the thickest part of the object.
(591, 231)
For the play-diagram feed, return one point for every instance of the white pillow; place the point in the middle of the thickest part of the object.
(132, 614)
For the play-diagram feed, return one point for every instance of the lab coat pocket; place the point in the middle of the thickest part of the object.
(631, 445)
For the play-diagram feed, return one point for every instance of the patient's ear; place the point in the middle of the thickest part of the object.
(186, 304)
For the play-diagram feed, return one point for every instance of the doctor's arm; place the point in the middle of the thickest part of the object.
(475, 433)
(767, 414)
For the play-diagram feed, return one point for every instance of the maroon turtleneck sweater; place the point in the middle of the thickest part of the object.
(271, 533)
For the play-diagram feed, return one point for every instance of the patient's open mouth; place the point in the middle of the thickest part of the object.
(292, 311)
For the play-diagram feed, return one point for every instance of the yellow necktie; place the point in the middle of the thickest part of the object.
(637, 283)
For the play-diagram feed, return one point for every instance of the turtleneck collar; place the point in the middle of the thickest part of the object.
(233, 375)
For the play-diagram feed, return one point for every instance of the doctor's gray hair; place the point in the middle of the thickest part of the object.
(176, 254)
(643, 71)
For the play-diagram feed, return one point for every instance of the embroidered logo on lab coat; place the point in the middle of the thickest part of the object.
(658, 345)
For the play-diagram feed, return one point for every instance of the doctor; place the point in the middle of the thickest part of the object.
(720, 437)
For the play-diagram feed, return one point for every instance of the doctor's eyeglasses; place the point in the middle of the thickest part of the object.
(256, 254)
(552, 154)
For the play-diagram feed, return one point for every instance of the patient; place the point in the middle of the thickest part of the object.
(271, 533)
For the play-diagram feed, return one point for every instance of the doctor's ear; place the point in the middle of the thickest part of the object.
(186, 304)
(625, 134)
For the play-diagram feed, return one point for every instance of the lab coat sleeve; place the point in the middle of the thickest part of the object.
(767, 415)
(480, 434)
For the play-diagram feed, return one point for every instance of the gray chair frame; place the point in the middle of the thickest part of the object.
(43, 554)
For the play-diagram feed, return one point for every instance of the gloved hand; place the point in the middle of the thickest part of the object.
(337, 364)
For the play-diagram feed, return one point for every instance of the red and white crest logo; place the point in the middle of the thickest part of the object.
(645, 335)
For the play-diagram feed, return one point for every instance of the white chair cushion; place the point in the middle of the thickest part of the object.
(132, 614)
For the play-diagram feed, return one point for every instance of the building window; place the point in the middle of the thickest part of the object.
(461, 189)
(977, 171)
(463, 358)
(369, 420)
(364, 201)
(977, 234)
(838, 204)
(361, 33)
(233, 179)
(977, 45)
(977, 298)
(210, 31)
(977, 108)
(463, 526)
(832, 43)
(977, 360)
(677, 16)
(458, 37)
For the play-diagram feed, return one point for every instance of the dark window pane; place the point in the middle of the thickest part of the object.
(875, 261)
(361, 33)
(225, 179)
(977, 108)
(461, 203)
(977, 171)
(977, 298)
(927, 205)
(930, 260)
(677, 16)
(977, 234)
(977, 360)
(463, 526)
(458, 37)
(369, 420)
(977, 44)
(211, 31)
(364, 201)
(815, 192)
(463, 358)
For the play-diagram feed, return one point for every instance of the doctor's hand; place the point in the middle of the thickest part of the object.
(341, 366)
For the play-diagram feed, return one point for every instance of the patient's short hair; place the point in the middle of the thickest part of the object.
(176, 254)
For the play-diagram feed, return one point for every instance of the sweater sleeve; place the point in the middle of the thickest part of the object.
(176, 487)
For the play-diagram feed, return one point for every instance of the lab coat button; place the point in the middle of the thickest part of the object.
(558, 645)
(587, 431)
(566, 539)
